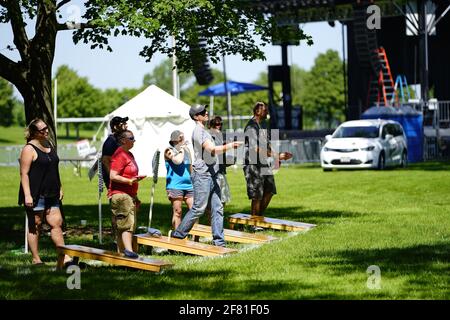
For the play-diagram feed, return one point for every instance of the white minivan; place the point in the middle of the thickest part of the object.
(365, 144)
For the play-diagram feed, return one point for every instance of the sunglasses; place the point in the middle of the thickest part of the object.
(43, 129)
(131, 138)
(203, 113)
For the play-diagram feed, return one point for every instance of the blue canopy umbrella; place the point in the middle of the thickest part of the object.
(229, 88)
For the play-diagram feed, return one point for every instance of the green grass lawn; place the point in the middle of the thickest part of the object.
(397, 220)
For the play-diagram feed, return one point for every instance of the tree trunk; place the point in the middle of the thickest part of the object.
(35, 83)
(38, 103)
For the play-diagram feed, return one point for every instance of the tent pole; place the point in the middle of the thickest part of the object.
(230, 120)
(100, 189)
(94, 138)
(26, 233)
(227, 94)
(211, 104)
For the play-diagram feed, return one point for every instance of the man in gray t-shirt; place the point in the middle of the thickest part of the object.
(204, 162)
(204, 178)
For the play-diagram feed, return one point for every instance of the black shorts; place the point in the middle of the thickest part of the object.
(258, 181)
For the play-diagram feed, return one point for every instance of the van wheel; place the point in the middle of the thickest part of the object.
(326, 170)
(404, 162)
(381, 162)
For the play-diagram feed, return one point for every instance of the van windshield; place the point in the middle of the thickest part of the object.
(357, 132)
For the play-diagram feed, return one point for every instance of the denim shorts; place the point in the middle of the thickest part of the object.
(179, 194)
(46, 203)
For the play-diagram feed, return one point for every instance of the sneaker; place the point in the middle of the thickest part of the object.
(130, 254)
(172, 234)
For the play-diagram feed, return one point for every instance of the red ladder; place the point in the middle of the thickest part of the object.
(381, 90)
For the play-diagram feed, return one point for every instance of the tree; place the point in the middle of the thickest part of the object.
(161, 76)
(6, 103)
(323, 94)
(76, 96)
(298, 78)
(228, 26)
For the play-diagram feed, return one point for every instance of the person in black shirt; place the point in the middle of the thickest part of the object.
(258, 161)
(118, 125)
(215, 129)
(40, 187)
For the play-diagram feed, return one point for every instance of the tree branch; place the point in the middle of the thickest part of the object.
(20, 36)
(73, 26)
(10, 70)
(59, 5)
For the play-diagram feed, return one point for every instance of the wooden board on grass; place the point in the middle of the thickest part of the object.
(265, 222)
(181, 245)
(115, 258)
(200, 230)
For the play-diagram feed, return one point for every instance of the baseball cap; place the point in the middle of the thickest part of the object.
(196, 109)
(174, 136)
(117, 120)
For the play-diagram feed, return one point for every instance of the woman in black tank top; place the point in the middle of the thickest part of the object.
(40, 187)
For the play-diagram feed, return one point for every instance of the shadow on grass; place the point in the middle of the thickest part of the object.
(19, 280)
(308, 216)
(13, 221)
(430, 166)
(119, 283)
(422, 267)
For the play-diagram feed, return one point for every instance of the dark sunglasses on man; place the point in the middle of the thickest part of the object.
(203, 113)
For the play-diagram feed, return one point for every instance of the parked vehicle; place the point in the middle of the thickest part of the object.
(365, 144)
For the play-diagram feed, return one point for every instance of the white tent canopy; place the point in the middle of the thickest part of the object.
(153, 115)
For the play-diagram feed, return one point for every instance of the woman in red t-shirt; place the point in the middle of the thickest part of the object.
(123, 192)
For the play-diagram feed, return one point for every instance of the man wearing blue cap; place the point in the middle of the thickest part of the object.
(204, 178)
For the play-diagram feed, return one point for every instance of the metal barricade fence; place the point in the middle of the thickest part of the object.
(303, 151)
(9, 155)
(444, 114)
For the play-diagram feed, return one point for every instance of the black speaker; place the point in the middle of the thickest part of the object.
(200, 63)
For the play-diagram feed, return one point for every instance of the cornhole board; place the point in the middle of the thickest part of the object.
(265, 222)
(201, 230)
(181, 245)
(115, 258)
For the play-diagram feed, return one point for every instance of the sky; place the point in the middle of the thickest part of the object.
(124, 68)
